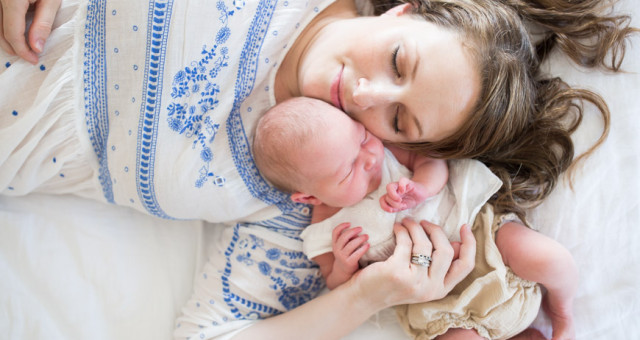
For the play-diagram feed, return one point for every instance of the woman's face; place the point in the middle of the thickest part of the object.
(405, 79)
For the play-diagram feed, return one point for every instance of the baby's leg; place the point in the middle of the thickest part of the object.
(536, 257)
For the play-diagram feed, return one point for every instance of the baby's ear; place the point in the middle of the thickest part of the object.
(300, 197)
(398, 10)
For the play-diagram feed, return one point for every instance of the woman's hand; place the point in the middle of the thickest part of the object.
(13, 15)
(398, 281)
(379, 285)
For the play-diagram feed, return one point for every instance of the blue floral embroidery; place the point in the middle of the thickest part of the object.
(294, 279)
(198, 79)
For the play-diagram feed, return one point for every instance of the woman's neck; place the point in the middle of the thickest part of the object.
(286, 82)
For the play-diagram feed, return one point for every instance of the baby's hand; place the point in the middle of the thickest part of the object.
(401, 195)
(348, 248)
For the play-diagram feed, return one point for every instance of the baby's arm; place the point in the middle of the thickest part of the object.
(536, 257)
(429, 177)
(348, 247)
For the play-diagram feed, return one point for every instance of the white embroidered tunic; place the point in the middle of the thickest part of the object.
(186, 103)
(152, 105)
(165, 95)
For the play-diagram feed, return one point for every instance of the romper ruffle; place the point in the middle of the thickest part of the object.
(43, 143)
(492, 299)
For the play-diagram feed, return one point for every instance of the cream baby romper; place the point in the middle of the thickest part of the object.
(491, 299)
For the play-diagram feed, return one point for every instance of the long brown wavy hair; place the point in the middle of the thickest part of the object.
(522, 124)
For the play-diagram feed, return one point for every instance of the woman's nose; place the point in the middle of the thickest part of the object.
(368, 93)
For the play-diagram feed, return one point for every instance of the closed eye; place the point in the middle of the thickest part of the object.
(346, 178)
(394, 62)
(396, 128)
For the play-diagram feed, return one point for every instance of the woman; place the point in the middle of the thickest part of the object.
(130, 116)
(364, 69)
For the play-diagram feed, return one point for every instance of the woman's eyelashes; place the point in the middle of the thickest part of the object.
(394, 62)
(396, 128)
(396, 71)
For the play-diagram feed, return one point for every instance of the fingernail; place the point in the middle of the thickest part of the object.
(32, 58)
(39, 45)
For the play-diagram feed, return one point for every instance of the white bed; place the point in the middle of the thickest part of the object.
(77, 269)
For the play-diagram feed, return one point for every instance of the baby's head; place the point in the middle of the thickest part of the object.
(317, 153)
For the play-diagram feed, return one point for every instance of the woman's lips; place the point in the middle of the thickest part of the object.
(336, 90)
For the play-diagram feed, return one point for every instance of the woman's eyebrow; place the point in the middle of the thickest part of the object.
(416, 63)
(417, 123)
(414, 72)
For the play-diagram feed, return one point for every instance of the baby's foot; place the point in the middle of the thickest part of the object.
(561, 321)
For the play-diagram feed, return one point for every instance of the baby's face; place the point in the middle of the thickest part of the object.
(343, 163)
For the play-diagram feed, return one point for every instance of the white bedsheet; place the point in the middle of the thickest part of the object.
(77, 269)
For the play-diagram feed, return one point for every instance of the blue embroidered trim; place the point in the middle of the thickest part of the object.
(280, 267)
(95, 90)
(289, 225)
(238, 140)
(157, 34)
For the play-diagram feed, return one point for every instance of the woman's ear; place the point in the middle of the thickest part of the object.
(300, 197)
(399, 10)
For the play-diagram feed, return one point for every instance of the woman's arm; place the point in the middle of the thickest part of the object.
(378, 286)
(13, 26)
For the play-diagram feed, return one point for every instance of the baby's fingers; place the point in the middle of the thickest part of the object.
(392, 191)
(404, 185)
(357, 249)
(338, 230)
(346, 236)
(353, 245)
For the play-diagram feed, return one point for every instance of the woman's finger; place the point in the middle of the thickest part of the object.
(442, 251)
(402, 251)
(13, 23)
(421, 243)
(45, 13)
(3, 42)
(456, 249)
(462, 266)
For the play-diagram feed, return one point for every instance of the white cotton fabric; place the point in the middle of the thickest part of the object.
(43, 144)
(151, 105)
(470, 185)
